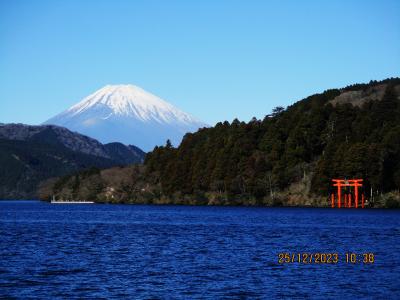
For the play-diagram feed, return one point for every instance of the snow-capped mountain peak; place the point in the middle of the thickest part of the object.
(130, 100)
(128, 114)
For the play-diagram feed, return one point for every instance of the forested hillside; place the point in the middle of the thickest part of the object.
(288, 157)
(30, 154)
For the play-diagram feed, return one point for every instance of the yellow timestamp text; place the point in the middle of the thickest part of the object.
(325, 258)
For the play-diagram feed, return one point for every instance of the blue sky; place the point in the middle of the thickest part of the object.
(217, 60)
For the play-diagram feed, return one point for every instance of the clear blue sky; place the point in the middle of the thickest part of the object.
(217, 60)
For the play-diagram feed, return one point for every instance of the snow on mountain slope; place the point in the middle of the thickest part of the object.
(127, 114)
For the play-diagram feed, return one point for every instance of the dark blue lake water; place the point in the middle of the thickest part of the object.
(180, 252)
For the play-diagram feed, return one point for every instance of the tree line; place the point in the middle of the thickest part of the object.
(287, 158)
(312, 139)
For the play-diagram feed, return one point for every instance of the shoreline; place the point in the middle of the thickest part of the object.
(196, 205)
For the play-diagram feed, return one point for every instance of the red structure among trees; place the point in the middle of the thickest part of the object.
(348, 188)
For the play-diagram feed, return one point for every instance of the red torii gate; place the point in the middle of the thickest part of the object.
(339, 183)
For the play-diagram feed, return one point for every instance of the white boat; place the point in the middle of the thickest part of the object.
(54, 201)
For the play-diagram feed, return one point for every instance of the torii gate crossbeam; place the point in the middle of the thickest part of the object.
(343, 183)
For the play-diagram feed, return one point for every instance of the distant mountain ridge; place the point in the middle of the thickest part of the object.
(127, 114)
(30, 154)
(72, 140)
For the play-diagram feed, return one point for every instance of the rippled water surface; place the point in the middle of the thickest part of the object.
(180, 252)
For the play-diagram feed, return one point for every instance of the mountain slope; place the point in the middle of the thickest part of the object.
(288, 158)
(30, 154)
(59, 136)
(127, 114)
(124, 154)
(24, 164)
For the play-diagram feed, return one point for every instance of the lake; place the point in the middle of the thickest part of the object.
(186, 252)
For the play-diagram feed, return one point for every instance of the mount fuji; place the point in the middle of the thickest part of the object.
(127, 114)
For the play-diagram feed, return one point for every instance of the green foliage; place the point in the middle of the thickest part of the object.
(279, 160)
(390, 200)
(392, 203)
(24, 164)
(257, 158)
